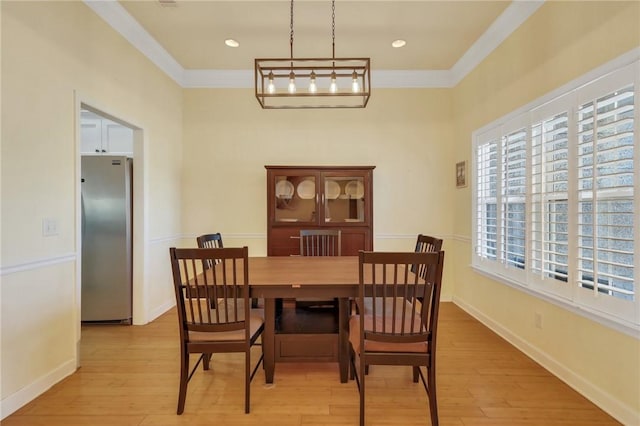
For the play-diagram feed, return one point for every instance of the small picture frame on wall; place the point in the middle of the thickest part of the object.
(461, 174)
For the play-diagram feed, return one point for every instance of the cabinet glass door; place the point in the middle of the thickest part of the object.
(344, 199)
(295, 198)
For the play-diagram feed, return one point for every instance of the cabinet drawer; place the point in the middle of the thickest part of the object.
(354, 240)
(284, 241)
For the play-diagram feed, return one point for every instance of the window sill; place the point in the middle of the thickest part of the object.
(629, 329)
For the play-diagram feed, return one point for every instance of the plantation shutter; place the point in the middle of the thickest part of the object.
(513, 218)
(550, 197)
(606, 194)
(486, 204)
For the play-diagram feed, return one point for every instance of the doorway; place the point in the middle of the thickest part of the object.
(100, 134)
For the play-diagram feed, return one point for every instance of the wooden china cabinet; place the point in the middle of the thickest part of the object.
(319, 197)
(315, 197)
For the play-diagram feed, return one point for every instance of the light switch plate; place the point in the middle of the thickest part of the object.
(49, 227)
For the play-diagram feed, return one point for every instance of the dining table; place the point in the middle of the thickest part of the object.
(280, 277)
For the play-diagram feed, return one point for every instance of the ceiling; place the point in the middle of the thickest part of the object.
(438, 34)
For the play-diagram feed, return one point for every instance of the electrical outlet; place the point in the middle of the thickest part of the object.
(537, 319)
(49, 227)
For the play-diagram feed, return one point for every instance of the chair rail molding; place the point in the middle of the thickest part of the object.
(160, 240)
(38, 263)
(411, 236)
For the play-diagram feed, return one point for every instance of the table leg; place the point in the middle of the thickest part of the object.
(343, 339)
(268, 338)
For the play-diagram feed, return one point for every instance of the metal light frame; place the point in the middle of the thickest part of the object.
(344, 73)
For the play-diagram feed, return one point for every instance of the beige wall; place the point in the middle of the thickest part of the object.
(562, 41)
(414, 137)
(54, 55)
(404, 133)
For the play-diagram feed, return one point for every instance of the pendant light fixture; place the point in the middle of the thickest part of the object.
(285, 83)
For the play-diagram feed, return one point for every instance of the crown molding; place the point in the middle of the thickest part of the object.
(410, 79)
(510, 20)
(381, 79)
(121, 21)
(218, 79)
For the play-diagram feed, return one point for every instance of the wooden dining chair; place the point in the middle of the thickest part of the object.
(215, 241)
(424, 243)
(397, 329)
(427, 243)
(204, 330)
(210, 241)
(319, 242)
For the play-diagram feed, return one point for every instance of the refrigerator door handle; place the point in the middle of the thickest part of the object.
(82, 218)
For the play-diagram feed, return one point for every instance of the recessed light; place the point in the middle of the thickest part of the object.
(231, 42)
(398, 43)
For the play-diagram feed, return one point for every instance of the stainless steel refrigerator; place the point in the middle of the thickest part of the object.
(106, 239)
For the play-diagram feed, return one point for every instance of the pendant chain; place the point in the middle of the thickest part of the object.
(333, 28)
(291, 33)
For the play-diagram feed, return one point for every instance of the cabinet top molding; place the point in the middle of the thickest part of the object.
(322, 167)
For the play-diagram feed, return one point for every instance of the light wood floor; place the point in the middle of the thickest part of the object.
(129, 376)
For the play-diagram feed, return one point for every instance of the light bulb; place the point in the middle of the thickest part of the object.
(333, 87)
(355, 87)
(292, 83)
(312, 83)
(271, 88)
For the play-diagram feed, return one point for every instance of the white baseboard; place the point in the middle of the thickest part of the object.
(14, 402)
(621, 412)
(155, 313)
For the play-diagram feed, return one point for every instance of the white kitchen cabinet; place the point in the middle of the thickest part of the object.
(100, 136)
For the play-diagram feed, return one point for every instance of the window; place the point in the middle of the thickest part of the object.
(554, 197)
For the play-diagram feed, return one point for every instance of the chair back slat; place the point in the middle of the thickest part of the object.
(403, 303)
(224, 287)
(320, 242)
